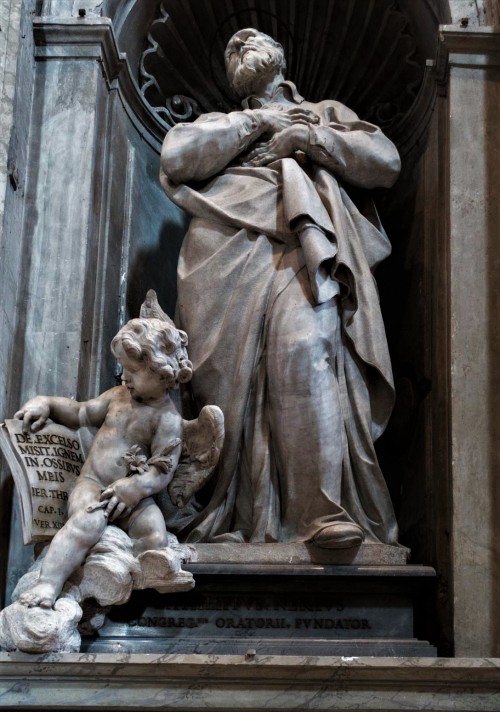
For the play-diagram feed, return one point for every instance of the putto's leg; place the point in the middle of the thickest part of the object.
(157, 551)
(146, 528)
(69, 547)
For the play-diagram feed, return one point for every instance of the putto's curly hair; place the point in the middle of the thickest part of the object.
(157, 344)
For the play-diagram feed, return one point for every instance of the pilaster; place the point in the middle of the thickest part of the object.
(67, 239)
(473, 157)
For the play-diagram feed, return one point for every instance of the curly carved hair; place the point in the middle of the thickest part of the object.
(157, 344)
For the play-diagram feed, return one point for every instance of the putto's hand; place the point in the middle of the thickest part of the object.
(121, 497)
(277, 119)
(281, 145)
(114, 509)
(34, 414)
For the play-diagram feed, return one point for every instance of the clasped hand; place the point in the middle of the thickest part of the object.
(120, 498)
(281, 145)
(290, 133)
(276, 119)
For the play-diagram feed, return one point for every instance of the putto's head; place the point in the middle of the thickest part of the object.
(154, 346)
(253, 59)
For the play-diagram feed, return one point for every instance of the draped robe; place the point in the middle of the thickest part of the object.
(277, 294)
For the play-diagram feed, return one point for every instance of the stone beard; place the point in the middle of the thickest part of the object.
(277, 293)
(255, 64)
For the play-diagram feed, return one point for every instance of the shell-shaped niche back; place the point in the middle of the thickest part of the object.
(360, 52)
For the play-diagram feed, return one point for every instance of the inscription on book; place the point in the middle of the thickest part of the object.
(45, 467)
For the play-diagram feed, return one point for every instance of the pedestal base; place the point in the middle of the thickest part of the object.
(277, 609)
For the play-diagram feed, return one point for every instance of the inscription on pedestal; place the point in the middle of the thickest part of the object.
(248, 623)
(307, 611)
(199, 615)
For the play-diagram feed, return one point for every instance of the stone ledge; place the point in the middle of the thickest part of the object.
(471, 47)
(197, 682)
(293, 554)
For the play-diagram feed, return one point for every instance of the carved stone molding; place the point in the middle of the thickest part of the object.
(84, 39)
(250, 682)
(478, 47)
(94, 39)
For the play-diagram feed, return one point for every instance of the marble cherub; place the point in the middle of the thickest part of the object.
(118, 480)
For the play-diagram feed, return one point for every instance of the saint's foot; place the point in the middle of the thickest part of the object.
(43, 595)
(339, 535)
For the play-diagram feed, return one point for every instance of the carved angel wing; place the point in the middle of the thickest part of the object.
(202, 441)
(151, 309)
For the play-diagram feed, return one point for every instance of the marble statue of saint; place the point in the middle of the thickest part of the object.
(276, 290)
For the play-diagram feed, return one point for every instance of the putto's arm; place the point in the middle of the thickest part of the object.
(124, 494)
(354, 150)
(73, 414)
(165, 452)
(197, 151)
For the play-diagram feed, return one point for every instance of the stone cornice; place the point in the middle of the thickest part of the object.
(94, 39)
(471, 47)
(215, 682)
(78, 39)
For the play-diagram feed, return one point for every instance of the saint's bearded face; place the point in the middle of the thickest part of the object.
(253, 59)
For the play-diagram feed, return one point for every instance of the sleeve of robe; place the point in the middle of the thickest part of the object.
(353, 150)
(197, 151)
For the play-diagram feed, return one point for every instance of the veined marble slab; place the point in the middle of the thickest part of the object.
(216, 682)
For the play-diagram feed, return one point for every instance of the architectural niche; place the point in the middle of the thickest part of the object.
(365, 55)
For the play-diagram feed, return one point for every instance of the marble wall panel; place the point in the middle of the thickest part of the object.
(10, 22)
(62, 159)
(492, 12)
(475, 12)
(471, 11)
(156, 234)
(16, 69)
(474, 214)
(110, 217)
(54, 256)
(70, 8)
(426, 507)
